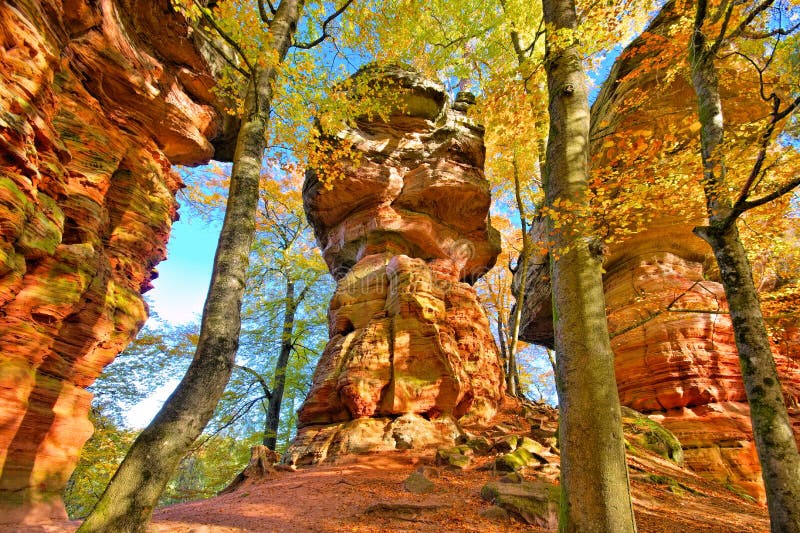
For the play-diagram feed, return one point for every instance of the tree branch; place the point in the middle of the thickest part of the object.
(222, 33)
(325, 34)
(742, 204)
(772, 196)
(258, 377)
(669, 309)
(760, 8)
(262, 12)
(241, 412)
(721, 37)
(224, 55)
(767, 34)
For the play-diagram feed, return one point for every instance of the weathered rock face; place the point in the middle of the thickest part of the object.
(411, 352)
(675, 354)
(97, 100)
(682, 366)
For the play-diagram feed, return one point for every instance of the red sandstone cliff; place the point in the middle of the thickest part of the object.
(675, 354)
(410, 353)
(97, 100)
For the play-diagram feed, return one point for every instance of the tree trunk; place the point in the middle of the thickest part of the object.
(274, 410)
(511, 381)
(128, 501)
(595, 493)
(775, 443)
(514, 387)
(502, 336)
(774, 437)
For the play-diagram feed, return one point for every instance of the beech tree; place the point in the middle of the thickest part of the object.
(128, 501)
(594, 480)
(714, 26)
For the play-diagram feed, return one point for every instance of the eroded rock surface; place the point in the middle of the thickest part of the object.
(675, 354)
(411, 354)
(97, 100)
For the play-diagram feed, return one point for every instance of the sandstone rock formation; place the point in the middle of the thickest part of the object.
(410, 352)
(676, 358)
(97, 100)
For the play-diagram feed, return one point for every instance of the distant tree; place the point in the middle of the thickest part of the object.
(287, 252)
(100, 457)
(287, 289)
(207, 469)
(159, 352)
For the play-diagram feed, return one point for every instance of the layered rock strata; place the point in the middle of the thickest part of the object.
(411, 356)
(97, 100)
(675, 353)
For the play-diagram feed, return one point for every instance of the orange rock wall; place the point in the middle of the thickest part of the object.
(97, 100)
(682, 367)
(403, 232)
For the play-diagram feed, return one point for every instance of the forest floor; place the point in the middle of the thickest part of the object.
(366, 494)
(337, 498)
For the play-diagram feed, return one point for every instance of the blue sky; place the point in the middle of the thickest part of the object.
(179, 293)
(182, 284)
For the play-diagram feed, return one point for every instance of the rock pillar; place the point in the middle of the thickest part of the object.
(411, 357)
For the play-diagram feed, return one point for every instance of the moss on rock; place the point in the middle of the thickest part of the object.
(651, 435)
(534, 503)
(511, 462)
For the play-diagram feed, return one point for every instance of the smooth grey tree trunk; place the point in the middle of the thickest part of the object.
(594, 478)
(772, 429)
(774, 438)
(128, 501)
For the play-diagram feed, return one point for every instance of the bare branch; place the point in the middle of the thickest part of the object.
(258, 378)
(669, 309)
(236, 416)
(325, 34)
(758, 69)
(224, 55)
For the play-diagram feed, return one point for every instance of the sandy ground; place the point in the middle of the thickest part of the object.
(342, 497)
(336, 498)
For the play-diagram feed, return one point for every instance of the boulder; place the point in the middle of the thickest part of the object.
(649, 434)
(534, 503)
(457, 457)
(417, 483)
(511, 462)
